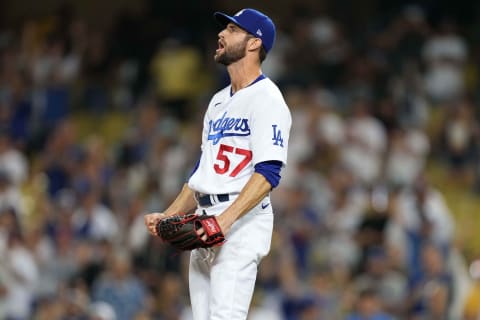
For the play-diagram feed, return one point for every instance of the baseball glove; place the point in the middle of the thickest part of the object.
(181, 231)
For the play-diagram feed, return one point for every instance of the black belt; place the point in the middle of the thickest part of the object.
(207, 200)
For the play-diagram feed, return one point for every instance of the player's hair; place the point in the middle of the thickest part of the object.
(262, 54)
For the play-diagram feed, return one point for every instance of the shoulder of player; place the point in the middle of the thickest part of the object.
(269, 96)
(269, 90)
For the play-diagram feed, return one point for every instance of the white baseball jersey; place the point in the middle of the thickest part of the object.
(240, 131)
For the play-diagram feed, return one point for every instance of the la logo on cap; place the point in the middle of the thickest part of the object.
(259, 32)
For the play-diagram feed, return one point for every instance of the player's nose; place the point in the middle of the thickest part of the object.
(220, 34)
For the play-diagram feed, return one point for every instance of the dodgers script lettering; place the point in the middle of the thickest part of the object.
(227, 127)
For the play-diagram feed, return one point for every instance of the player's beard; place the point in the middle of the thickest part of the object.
(232, 54)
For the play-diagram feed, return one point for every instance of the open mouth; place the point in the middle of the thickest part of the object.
(221, 46)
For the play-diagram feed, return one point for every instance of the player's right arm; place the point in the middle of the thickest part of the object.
(183, 203)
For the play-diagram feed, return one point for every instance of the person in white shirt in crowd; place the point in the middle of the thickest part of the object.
(94, 220)
(12, 161)
(445, 53)
(406, 158)
(21, 277)
(365, 143)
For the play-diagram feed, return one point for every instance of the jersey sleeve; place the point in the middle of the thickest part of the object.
(271, 121)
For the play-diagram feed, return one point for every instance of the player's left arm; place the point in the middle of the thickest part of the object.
(252, 193)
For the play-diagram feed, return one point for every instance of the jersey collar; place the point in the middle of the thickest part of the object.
(260, 77)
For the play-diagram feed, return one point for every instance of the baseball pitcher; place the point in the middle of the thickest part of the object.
(244, 147)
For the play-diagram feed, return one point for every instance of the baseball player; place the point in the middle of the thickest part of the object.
(244, 147)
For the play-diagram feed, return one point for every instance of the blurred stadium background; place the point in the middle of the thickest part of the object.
(101, 106)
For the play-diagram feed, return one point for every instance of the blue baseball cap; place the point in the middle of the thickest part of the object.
(252, 21)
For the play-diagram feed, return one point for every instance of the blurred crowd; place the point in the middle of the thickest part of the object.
(360, 231)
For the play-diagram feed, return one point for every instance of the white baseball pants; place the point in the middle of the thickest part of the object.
(222, 279)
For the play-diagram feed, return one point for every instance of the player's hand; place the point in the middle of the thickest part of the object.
(224, 227)
(151, 220)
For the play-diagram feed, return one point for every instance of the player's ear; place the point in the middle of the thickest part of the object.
(254, 44)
